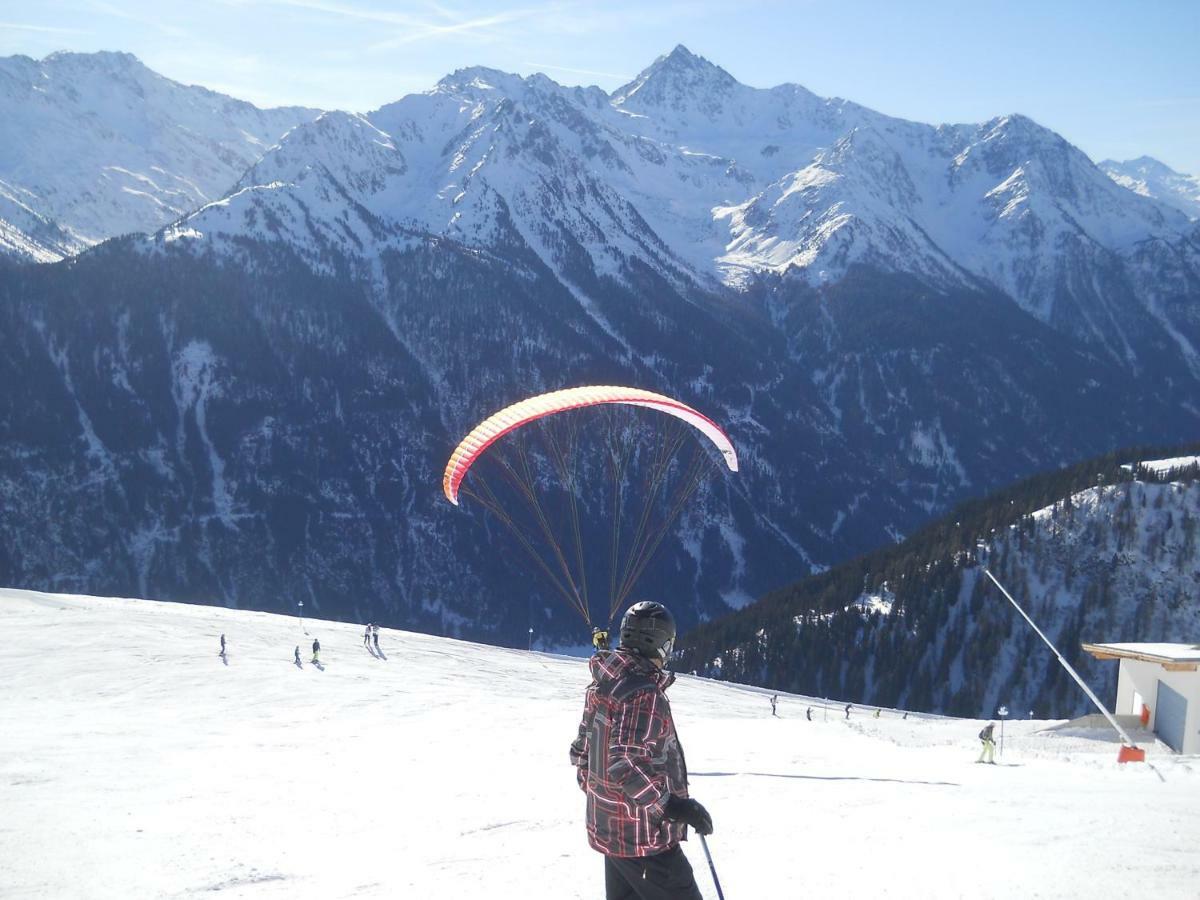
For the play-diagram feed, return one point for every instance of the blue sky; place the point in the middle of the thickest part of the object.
(1119, 79)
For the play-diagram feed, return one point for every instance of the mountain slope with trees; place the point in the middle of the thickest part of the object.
(253, 406)
(1106, 550)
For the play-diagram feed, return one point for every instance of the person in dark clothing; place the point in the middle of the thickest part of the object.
(847, 710)
(316, 651)
(298, 663)
(367, 637)
(988, 753)
(629, 763)
(774, 700)
(664, 876)
(808, 713)
(375, 637)
(222, 653)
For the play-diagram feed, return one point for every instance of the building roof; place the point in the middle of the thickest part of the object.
(1176, 657)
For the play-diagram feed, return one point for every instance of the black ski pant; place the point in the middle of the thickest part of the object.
(664, 876)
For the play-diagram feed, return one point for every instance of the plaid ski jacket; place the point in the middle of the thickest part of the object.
(628, 758)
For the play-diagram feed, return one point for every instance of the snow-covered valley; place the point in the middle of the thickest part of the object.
(135, 763)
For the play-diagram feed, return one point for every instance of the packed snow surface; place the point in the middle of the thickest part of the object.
(136, 762)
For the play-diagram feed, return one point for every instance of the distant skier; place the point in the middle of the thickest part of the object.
(299, 664)
(877, 712)
(367, 637)
(906, 717)
(222, 653)
(988, 754)
(375, 637)
(808, 713)
(629, 763)
(774, 700)
(599, 639)
(316, 651)
(847, 711)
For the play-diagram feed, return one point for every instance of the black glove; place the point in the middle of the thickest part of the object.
(689, 812)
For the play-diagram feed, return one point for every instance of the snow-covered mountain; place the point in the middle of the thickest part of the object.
(705, 180)
(233, 427)
(97, 145)
(1151, 178)
(255, 405)
(144, 765)
(920, 625)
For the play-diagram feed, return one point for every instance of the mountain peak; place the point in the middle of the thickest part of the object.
(1018, 123)
(682, 61)
(673, 78)
(1152, 178)
(681, 56)
(1023, 134)
(1143, 165)
(142, 149)
(480, 78)
(112, 60)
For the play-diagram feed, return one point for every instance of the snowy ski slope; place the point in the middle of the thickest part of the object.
(135, 764)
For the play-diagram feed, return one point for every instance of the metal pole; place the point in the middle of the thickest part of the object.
(712, 868)
(1125, 738)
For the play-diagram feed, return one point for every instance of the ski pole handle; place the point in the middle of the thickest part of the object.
(712, 868)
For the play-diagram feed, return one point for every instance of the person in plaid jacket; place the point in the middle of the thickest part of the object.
(631, 766)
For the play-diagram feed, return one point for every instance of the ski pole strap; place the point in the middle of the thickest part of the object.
(712, 868)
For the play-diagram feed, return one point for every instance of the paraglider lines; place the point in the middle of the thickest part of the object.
(629, 440)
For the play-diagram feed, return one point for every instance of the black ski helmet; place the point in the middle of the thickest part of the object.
(648, 629)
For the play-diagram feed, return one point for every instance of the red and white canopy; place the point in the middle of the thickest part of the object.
(512, 417)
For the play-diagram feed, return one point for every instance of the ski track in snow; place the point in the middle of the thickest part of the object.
(135, 764)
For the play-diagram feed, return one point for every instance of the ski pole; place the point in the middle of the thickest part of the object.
(712, 868)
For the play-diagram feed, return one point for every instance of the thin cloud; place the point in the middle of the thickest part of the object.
(341, 10)
(583, 20)
(478, 27)
(417, 28)
(116, 12)
(41, 29)
(1171, 101)
(444, 11)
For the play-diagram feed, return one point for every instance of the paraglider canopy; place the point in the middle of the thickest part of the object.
(595, 465)
(512, 417)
